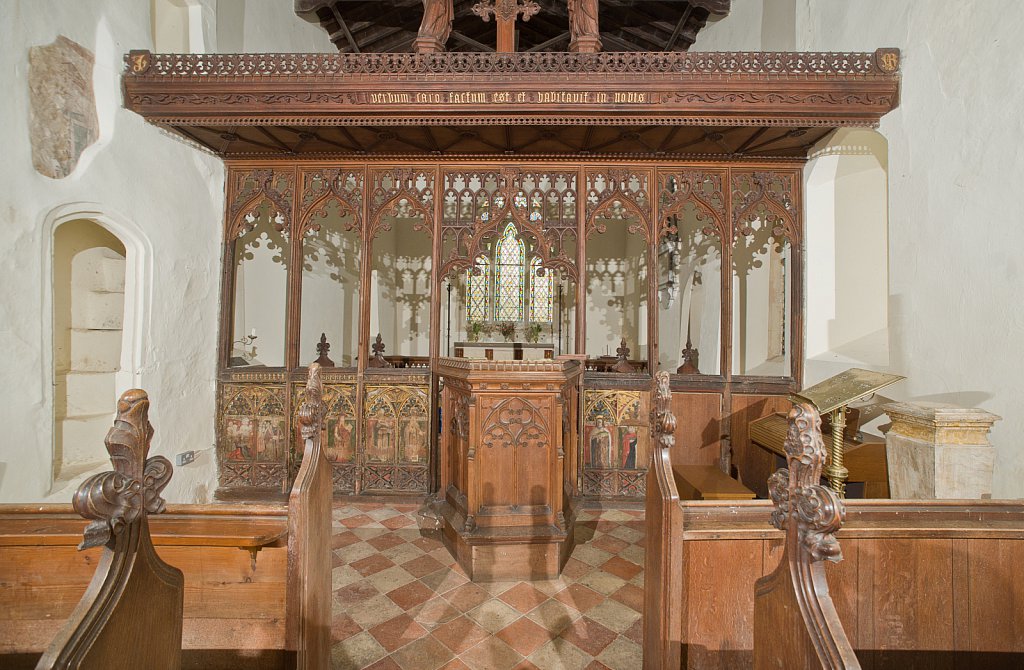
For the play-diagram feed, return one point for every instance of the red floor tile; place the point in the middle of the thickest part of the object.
(397, 632)
(523, 597)
(631, 596)
(371, 565)
(410, 595)
(524, 636)
(589, 636)
(620, 567)
(580, 597)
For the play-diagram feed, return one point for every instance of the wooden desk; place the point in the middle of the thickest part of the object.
(508, 433)
(707, 482)
(865, 460)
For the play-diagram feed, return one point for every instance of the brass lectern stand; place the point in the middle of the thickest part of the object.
(833, 395)
(506, 476)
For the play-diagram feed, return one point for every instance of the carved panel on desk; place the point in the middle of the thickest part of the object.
(616, 443)
(252, 435)
(396, 438)
(516, 440)
(340, 427)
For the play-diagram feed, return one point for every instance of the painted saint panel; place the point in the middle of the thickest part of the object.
(340, 428)
(616, 442)
(252, 435)
(396, 438)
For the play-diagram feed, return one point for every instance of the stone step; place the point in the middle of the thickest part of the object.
(86, 393)
(91, 310)
(100, 270)
(80, 440)
(95, 350)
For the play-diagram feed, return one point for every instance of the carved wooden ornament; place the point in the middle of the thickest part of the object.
(133, 595)
(795, 620)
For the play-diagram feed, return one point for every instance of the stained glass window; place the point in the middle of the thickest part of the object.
(540, 293)
(479, 294)
(509, 262)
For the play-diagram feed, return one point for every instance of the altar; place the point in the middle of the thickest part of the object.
(505, 351)
(508, 465)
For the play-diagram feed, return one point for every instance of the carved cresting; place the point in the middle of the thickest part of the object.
(795, 621)
(131, 613)
(114, 499)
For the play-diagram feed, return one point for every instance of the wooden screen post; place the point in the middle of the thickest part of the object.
(795, 620)
(131, 613)
(663, 560)
(309, 538)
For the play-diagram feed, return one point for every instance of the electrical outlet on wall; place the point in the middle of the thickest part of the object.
(184, 458)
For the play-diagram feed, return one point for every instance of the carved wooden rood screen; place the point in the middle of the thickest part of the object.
(639, 211)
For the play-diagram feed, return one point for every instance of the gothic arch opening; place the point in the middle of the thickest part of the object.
(88, 301)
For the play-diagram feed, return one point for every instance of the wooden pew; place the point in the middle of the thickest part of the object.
(923, 584)
(247, 568)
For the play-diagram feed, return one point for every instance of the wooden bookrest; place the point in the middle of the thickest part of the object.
(708, 482)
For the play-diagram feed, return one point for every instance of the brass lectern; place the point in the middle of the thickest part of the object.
(508, 436)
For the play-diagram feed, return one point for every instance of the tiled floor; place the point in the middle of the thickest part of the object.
(401, 602)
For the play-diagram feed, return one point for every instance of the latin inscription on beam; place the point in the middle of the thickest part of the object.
(508, 97)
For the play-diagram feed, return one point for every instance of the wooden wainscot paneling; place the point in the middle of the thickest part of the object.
(753, 464)
(698, 432)
(922, 585)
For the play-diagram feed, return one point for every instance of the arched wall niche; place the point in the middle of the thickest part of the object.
(846, 184)
(97, 267)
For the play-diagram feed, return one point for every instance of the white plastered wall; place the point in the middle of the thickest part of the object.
(954, 163)
(161, 197)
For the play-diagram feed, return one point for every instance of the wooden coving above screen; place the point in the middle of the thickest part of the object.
(302, 100)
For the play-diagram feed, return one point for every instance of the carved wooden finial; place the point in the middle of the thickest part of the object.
(663, 420)
(114, 499)
(622, 364)
(322, 348)
(691, 358)
(378, 360)
(795, 619)
(133, 595)
(311, 411)
(803, 506)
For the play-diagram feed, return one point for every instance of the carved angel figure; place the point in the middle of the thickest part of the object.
(582, 19)
(437, 20)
